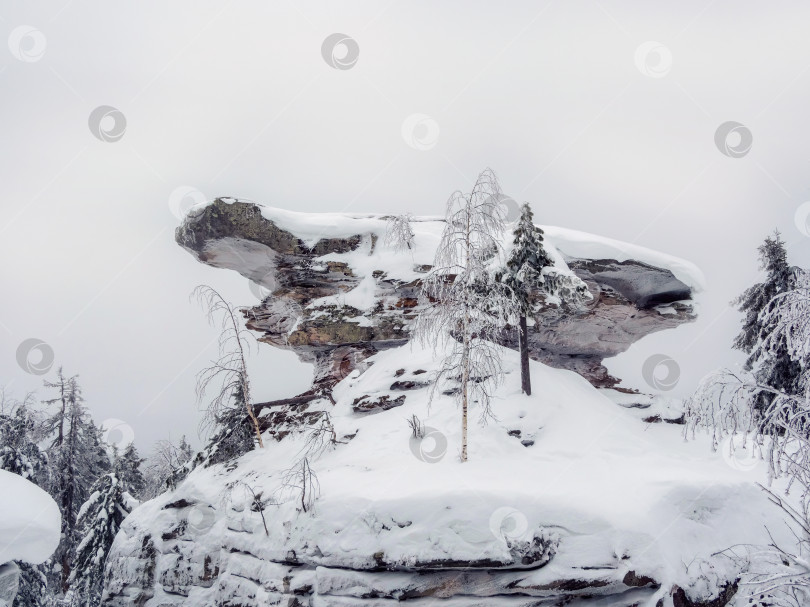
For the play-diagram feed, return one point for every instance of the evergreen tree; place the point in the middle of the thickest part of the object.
(772, 367)
(528, 268)
(78, 455)
(99, 520)
(19, 452)
(128, 468)
(184, 450)
(33, 587)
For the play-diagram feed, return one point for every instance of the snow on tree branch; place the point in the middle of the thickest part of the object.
(399, 233)
(464, 307)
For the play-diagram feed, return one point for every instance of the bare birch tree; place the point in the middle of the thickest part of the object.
(465, 308)
(228, 375)
(399, 233)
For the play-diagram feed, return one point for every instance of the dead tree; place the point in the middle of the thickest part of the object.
(229, 373)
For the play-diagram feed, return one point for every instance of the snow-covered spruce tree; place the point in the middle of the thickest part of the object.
(20, 454)
(773, 366)
(528, 269)
(399, 233)
(229, 373)
(128, 468)
(100, 519)
(33, 587)
(728, 404)
(184, 451)
(78, 458)
(464, 307)
(19, 449)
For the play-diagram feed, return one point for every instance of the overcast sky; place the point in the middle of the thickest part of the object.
(603, 115)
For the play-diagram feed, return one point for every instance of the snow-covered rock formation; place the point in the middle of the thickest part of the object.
(568, 498)
(337, 293)
(30, 524)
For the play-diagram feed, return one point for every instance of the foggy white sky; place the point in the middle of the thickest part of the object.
(236, 99)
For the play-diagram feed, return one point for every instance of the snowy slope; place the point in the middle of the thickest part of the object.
(603, 493)
(30, 522)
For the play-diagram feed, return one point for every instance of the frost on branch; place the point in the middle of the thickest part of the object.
(726, 403)
(465, 307)
(399, 233)
(228, 375)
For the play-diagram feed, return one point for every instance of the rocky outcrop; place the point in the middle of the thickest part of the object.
(389, 520)
(305, 283)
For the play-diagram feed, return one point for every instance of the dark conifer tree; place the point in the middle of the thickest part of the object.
(33, 587)
(772, 367)
(19, 452)
(523, 270)
(99, 520)
(525, 273)
(78, 458)
(128, 468)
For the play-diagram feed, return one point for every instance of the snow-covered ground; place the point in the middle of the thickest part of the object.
(566, 466)
(30, 522)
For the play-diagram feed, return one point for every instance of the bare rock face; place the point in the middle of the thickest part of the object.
(631, 299)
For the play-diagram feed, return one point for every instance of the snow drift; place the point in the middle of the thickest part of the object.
(566, 497)
(30, 522)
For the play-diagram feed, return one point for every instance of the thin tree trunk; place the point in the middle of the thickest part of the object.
(256, 427)
(465, 372)
(245, 383)
(525, 377)
(465, 378)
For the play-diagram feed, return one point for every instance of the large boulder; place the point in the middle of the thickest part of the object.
(335, 292)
